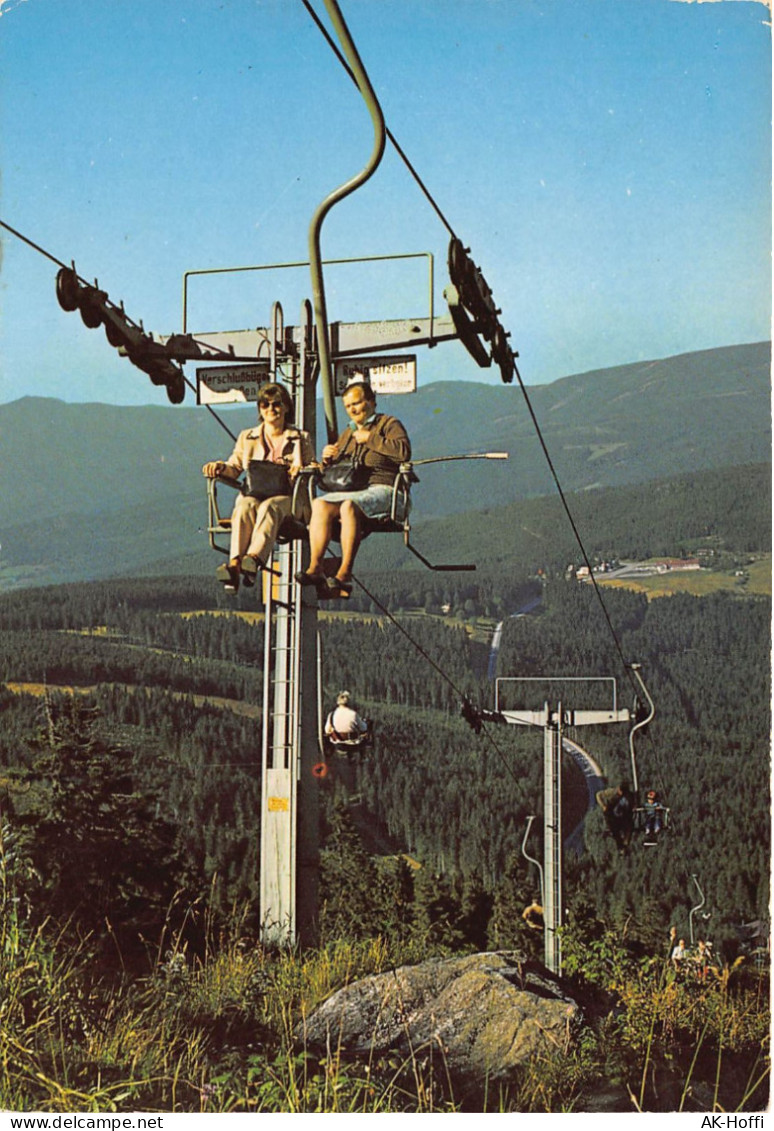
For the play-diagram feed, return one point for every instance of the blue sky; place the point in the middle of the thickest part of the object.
(607, 161)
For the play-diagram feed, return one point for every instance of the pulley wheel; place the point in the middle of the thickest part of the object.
(67, 288)
(176, 389)
(507, 367)
(499, 344)
(113, 334)
(91, 312)
(458, 263)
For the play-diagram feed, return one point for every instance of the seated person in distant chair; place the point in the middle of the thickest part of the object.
(533, 916)
(679, 954)
(255, 523)
(654, 815)
(383, 444)
(344, 723)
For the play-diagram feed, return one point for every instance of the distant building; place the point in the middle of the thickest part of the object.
(679, 564)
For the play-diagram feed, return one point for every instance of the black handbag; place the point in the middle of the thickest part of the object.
(349, 474)
(264, 479)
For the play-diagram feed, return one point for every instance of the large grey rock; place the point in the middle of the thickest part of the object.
(487, 1013)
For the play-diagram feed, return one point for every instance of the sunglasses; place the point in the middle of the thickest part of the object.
(270, 404)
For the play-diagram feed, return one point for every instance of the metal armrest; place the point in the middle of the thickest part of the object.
(217, 523)
(302, 492)
(401, 494)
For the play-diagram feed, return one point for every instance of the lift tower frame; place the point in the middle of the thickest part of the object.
(552, 719)
(290, 747)
(301, 356)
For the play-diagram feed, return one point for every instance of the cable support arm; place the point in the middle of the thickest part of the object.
(639, 724)
(315, 254)
(697, 907)
(532, 859)
(323, 30)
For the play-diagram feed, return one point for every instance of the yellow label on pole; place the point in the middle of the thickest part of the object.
(279, 804)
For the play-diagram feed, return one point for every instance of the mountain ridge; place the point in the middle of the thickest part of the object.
(98, 467)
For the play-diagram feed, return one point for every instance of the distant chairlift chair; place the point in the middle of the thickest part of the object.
(358, 743)
(640, 815)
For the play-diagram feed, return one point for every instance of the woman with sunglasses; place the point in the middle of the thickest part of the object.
(255, 523)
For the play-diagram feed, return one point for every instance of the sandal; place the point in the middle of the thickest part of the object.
(337, 588)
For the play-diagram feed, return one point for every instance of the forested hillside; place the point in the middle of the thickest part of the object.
(455, 801)
(724, 510)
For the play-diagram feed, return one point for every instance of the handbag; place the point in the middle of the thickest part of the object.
(348, 474)
(264, 479)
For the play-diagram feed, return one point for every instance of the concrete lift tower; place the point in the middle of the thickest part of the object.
(310, 358)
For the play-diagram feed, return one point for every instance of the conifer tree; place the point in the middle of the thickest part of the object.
(102, 854)
(349, 882)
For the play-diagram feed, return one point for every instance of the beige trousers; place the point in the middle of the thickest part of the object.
(255, 524)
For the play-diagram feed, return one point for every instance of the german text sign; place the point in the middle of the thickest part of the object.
(231, 384)
(396, 373)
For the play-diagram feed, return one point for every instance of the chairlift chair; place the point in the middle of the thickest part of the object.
(642, 715)
(639, 815)
(219, 523)
(357, 744)
(399, 519)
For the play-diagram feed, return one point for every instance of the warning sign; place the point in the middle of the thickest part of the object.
(394, 374)
(231, 384)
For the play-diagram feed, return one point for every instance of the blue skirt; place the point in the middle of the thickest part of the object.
(374, 501)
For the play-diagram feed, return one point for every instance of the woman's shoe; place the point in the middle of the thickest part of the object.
(309, 579)
(228, 575)
(335, 588)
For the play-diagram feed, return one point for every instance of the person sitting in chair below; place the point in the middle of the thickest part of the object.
(344, 723)
(255, 522)
(381, 443)
(616, 804)
(654, 816)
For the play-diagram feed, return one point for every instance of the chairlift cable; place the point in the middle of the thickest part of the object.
(59, 263)
(576, 532)
(438, 669)
(389, 133)
(28, 241)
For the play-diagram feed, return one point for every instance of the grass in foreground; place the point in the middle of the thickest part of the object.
(219, 1033)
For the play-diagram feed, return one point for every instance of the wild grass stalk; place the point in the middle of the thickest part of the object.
(752, 1085)
(689, 1076)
